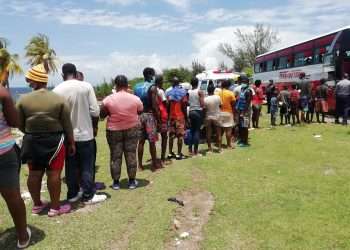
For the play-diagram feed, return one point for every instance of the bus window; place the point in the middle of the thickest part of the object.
(257, 68)
(283, 63)
(317, 58)
(329, 59)
(269, 65)
(299, 60)
(276, 63)
(204, 85)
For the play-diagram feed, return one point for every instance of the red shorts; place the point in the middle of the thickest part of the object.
(56, 164)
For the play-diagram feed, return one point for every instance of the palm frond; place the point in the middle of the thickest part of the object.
(38, 51)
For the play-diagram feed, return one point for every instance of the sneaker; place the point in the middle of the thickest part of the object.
(39, 209)
(115, 185)
(171, 156)
(180, 157)
(64, 209)
(77, 197)
(133, 184)
(96, 199)
(25, 245)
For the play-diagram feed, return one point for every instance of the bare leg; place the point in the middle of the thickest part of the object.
(228, 132)
(171, 144)
(179, 145)
(17, 210)
(219, 135)
(54, 187)
(140, 153)
(164, 144)
(153, 152)
(34, 185)
(209, 132)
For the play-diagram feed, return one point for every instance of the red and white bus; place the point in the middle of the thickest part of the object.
(325, 56)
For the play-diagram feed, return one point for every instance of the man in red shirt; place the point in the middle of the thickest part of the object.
(257, 102)
(294, 103)
(177, 99)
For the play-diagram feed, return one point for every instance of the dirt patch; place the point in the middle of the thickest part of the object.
(123, 242)
(190, 219)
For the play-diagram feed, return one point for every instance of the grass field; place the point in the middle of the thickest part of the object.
(289, 190)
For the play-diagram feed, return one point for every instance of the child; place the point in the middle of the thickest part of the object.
(274, 106)
(284, 98)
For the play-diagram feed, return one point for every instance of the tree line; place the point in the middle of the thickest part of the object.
(249, 45)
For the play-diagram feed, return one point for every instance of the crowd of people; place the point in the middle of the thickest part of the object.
(60, 127)
(300, 102)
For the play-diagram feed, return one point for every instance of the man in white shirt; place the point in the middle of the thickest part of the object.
(81, 98)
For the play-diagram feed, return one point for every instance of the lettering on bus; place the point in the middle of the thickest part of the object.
(290, 74)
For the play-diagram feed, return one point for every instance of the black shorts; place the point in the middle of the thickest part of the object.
(9, 170)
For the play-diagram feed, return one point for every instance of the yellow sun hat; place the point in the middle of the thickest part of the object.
(38, 74)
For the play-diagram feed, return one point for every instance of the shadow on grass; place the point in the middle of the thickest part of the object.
(124, 184)
(8, 238)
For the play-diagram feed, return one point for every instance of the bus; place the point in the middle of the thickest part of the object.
(325, 56)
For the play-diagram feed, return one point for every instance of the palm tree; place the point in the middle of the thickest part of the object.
(38, 51)
(9, 65)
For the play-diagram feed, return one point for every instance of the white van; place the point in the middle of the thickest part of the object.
(216, 76)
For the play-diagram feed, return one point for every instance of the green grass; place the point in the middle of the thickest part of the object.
(289, 190)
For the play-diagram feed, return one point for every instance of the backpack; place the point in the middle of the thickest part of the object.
(242, 101)
(141, 90)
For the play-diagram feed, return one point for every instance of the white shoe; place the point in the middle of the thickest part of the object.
(76, 198)
(25, 245)
(96, 199)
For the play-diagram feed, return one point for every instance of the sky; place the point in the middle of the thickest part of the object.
(105, 38)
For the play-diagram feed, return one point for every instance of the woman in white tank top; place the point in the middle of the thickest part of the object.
(196, 104)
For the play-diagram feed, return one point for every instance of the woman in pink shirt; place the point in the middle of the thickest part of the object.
(122, 110)
(258, 100)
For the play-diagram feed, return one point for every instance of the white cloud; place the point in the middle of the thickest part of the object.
(121, 2)
(183, 4)
(96, 68)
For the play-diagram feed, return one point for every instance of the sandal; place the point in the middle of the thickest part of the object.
(25, 245)
(65, 209)
(39, 209)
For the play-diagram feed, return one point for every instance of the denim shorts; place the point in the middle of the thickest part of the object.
(9, 170)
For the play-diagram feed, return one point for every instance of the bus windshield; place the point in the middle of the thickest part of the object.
(329, 59)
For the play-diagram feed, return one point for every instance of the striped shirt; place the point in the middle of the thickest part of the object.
(6, 140)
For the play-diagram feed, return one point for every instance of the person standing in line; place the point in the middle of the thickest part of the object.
(226, 118)
(257, 102)
(177, 109)
(243, 107)
(274, 106)
(45, 121)
(9, 172)
(294, 104)
(269, 95)
(305, 97)
(342, 98)
(321, 105)
(284, 99)
(81, 98)
(163, 126)
(95, 120)
(147, 91)
(122, 110)
(196, 104)
(212, 106)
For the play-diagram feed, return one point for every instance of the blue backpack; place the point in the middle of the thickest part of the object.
(242, 102)
(141, 90)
